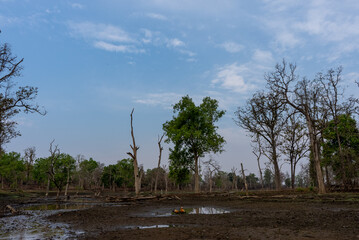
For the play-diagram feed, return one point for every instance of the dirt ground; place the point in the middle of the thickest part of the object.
(269, 216)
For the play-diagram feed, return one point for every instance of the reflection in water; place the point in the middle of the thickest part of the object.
(206, 210)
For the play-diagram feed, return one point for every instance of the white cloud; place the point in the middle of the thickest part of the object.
(262, 56)
(165, 100)
(117, 48)
(231, 47)
(156, 16)
(175, 42)
(103, 32)
(77, 5)
(230, 77)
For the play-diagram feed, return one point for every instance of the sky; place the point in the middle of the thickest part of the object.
(94, 61)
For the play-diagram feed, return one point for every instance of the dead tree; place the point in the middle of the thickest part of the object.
(257, 151)
(244, 180)
(212, 166)
(295, 143)
(29, 160)
(159, 159)
(263, 116)
(234, 178)
(133, 155)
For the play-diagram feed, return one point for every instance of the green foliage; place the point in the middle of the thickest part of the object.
(120, 174)
(12, 168)
(193, 132)
(40, 170)
(345, 165)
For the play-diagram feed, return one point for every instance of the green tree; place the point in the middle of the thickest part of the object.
(119, 175)
(193, 132)
(12, 169)
(40, 170)
(345, 164)
(87, 169)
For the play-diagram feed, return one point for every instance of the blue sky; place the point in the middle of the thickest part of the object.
(93, 61)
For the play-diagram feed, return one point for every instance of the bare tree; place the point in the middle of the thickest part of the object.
(295, 142)
(234, 178)
(263, 116)
(29, 157)
(244, 179)
(212, 166)
(159, 159)
(257, 151)
(13, 101)
(134, 158)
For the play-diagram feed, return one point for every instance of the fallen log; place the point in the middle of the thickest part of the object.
(13, 211)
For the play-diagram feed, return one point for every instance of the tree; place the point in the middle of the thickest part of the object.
(193, 131)
(87, 169)
(212, 167)
(257, 151)
(12, 169)
(12, 100)
(29, 158)
(341, 149)
(264, 116)
(134, 159)
(305, 98)
(295, 143)
(159, 159)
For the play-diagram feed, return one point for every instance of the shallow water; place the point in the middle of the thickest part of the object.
(166, 212)
(34, 225)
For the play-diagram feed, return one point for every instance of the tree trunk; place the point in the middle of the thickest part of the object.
(316, 156)
(292, 172)
(48, 187)
(68, 181)
(134, 158)
(278, 184)
(196, 175)
(244, 180)
(260, 172)
(159, 160)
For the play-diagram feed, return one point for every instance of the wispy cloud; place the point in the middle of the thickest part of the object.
(175, 42)
(104, 32)
(165, 100)
(117, 48)
(231, 47)
(77, 5)
(261, 56)
(156, 16)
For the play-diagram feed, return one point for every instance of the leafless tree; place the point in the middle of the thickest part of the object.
(234, 178)
(12, 100)
(133, 155)
(159, 159)
(295, 142)
(29, 157)
(244, 179)
(257, 150)
(212, 166)
(306, 98)
(263, 116)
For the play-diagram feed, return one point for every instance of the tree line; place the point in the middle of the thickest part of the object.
(294, 118)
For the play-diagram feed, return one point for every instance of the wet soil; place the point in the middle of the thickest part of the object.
(266, 216)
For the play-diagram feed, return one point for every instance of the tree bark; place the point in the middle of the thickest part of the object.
(159, 160)
(134, 158)
(244, 180)
(196, 175)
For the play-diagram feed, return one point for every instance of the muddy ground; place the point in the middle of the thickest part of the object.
(257, 217)
(267, 215)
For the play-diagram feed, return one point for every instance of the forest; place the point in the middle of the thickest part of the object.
(308, 123)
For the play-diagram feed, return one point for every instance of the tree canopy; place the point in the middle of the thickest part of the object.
(193, 132)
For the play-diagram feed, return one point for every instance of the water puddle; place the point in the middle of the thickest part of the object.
(149, 227)
(32, 224)
(166, 212)
(206, 210)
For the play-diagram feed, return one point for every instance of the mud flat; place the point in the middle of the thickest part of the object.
(266, 216)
